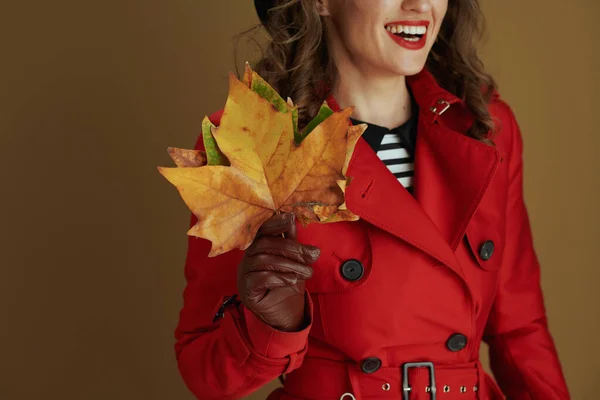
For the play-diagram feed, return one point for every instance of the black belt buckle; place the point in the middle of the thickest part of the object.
(406, 389)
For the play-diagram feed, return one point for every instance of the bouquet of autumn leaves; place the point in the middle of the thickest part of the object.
(257, 163)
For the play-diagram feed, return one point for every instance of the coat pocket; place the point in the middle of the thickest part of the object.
(485, 238)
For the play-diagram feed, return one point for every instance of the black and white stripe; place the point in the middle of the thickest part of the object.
(395, 156)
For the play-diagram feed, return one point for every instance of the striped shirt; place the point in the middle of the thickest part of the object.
(395, 147)
(396, 157)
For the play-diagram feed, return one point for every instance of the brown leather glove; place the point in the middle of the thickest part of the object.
(272, 274)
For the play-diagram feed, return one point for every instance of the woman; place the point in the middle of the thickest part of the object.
(395, 305)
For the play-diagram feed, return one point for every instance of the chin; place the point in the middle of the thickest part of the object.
(408, 69)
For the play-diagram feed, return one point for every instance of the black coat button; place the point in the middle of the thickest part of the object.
(370, 365)
(456, 342)
(487, 250)
(352, 270)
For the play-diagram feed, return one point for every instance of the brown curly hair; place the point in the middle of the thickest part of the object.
(296, 61)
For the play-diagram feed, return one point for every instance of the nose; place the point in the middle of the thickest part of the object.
(419, 6)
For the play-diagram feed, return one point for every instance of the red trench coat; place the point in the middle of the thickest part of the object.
(433, 275)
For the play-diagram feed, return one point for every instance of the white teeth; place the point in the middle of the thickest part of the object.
(409, 29)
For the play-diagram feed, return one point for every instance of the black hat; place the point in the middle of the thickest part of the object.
(262, 8)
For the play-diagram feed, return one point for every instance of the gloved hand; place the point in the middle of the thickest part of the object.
(272, 274)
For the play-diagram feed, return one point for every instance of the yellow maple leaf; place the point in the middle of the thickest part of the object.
(266, 170)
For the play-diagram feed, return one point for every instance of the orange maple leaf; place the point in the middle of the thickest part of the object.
(261, 169)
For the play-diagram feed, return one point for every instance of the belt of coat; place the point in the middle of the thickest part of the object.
(321, 379)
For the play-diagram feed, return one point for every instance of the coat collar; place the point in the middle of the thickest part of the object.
(452, 173)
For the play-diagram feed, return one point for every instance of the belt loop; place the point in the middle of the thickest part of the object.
(480, 380)
(293, 364)
(354, 382)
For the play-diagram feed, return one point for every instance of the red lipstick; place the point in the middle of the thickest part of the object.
(404, 42)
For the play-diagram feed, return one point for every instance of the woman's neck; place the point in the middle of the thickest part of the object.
(380, 100)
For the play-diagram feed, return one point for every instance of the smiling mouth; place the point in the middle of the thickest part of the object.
(410, 33)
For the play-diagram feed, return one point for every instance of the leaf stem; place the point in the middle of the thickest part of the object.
(278, 212)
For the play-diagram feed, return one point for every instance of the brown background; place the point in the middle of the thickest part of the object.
(93, 239)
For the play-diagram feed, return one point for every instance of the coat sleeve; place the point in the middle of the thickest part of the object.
(523, 356)
(238, 353)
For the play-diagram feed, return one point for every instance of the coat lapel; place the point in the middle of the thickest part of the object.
(452, 172)
(376, 196)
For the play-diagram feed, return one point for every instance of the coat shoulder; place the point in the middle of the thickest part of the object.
(507, 132)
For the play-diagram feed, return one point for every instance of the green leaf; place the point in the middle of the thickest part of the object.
(297, 137)
(214, 155)
(264, 90)
(324, 113)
